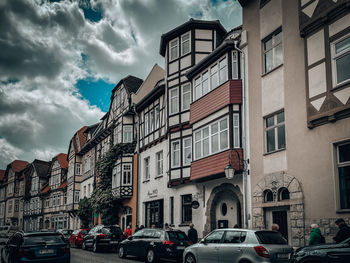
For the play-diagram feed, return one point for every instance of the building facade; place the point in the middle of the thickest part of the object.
(297, 61)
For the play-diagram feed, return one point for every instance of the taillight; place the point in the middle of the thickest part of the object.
(189, 243)
(262, 252)
(23, 252)
(101, 236)
(168, 242)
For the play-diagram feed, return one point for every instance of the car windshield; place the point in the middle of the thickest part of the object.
(76, 232)
(42, 239)
(115, 230)
(180, 236)
(270, 237)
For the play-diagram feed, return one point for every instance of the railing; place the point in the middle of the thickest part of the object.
(122, 191)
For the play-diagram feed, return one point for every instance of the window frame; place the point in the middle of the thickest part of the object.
(128, 181)
(159, 163)
(184, 150)
(272, 37)
(183, 106)
(173, 151)
(146, 168)
(339, 165)
(186, 205)
(274, 127)
(173, 99)
(235, 61)
(171, 47)
(236, 144)
(334, 58)
(189, 43)
(125, 133)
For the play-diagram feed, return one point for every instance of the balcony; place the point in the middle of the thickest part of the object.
(212, 167)
(227, 93)
(121, 192)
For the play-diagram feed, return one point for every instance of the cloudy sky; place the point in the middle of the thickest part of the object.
(59, 60)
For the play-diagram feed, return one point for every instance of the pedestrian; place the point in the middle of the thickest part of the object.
(192, 234)
(127, 232)
(275, 227)
(315, 235)
(236, 226)
(137, 228)
(142, 227)
(153, 226)
(344, 230)
(166, 226)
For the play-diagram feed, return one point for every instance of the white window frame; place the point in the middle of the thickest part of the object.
(184, 93)
(184, 41)
(209, 137)
(236, 131)
(127, 135)
(334, 60)
(146, 163)
(159, 164)
(177, 152)
(235, 65)
(76, 196)
(157, 117)
(174, 99)
(78, 168)
(186, 148)
(151, 120)
(146, 124)
(176, 46)
(128, 176)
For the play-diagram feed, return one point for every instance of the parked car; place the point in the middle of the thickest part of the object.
(103, 237)
(154, 244)
(76, 238)
(36, 247)
(7, 231)
(239, 245)
(65, 233)
(324, 253)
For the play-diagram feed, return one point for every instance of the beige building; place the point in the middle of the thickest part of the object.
(297, 58)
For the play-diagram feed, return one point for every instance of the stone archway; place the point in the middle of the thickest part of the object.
(212, 202)
(274, 182)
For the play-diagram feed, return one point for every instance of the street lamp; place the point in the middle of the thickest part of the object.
(229, 171)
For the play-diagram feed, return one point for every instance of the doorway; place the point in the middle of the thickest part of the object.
(280, 216)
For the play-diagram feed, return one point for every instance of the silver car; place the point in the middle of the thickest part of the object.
(239, 246)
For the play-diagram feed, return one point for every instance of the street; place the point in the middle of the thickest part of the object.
(86, 256)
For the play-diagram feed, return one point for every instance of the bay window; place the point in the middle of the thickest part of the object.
(235, 65)
(187, 150)
(341, 60)
(127, 133)
(236, 137)
(146, 124)
(185, 44)
(157, 117)
(174, 49)
(174, 100)
(186, 96)
(175, 153)
(126, 174)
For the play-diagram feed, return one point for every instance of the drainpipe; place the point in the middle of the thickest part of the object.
(245, 131)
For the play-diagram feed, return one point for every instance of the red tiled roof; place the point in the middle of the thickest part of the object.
(82, 136)
(63, 185)
(18, 165)
(46, 189)
(62, 160)
(2, 174)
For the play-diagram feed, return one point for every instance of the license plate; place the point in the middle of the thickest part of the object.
(180, 247)
(46, 251)
(283, 256)
(114, 242)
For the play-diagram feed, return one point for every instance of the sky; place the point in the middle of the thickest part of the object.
(59, 61)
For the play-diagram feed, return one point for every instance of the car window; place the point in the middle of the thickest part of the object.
(235, 237)
(43, 239)
(180, 236)
(270, 237)
(104, 231)
(214, 237)
(84, 232)
(148, 233)
(75, 232)
(115, 230)
(139, 233)
(156, 234)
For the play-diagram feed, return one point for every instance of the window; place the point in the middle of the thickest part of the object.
(10, 188)
(214, 79)
(84, 191)
(283, 194)
(76, 197)
(341, 60)
(127, 135)
(185, 44)
(174, 100)
(151, 120)
(171, 201)
(235, 237)
(10, 207)
(126, 174)
(205, 83)
(65, 198)
(343, 167)
(186, 96)
(234, 65)
(272, 51)
(186, 208)
(16, 205)
(214, 237)
(78, 169)
(211, 139)
(89, 189)
(236, 141)
(222, 71)
(187, 151)
(159, 163)
(175, 153)
(146, 124)
(47, 202)
(157, 117)
(174, 50)
(275, 132)
(268, 196)
(147, 173)
(118, 134)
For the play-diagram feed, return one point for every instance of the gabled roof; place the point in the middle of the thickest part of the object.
(131, 84)
(41, 167)
(45, 189)
(62, 160)
(78, 140)
(18, 165)
(192, 23)
(2, 174)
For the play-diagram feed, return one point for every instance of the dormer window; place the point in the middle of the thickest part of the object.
(185, 44)
(174, 49)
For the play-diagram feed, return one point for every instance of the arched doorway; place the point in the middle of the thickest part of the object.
(126, 217)
(224, 208)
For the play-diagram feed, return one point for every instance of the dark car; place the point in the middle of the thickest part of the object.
(65, 233)
(154, 244)
(36, 247)
(325, 253)
(76, 238)
(103, 237)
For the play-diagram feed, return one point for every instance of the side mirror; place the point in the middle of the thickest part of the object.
(203, 241)
(130, 238)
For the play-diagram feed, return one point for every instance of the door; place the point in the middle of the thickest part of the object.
(154, 213)
(280, 218)
(208, 248)
(230, 250)
(134, 243)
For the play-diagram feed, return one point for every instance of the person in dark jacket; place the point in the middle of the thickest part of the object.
(192, 234)
(344, 230)
(315, 235)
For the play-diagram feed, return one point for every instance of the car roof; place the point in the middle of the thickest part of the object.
(27, 234)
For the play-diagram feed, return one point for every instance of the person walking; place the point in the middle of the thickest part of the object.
(315, 235)
(275, 227)
(166, 226)
(192, 234)
(343, 232)
(127, 232)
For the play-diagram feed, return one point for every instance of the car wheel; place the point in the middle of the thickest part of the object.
(94, 247)
(190, 259)
(121, 252)
(151, 256)
(83, 246)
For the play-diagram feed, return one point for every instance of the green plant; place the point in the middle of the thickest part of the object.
(85, 212)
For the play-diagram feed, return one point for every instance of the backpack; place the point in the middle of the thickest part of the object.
(322, 239)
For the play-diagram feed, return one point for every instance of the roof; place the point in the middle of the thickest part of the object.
(200, 24)
(62, 160)
(63, 185)
(46, 189)
(131, 84)
(18, 165)
(41, 167)
(243, 2)
(158, 90)
(79, 139)
(2, 174)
